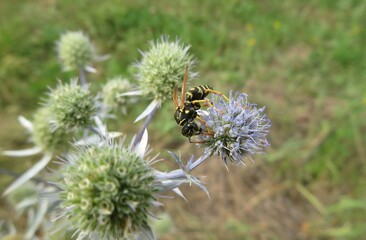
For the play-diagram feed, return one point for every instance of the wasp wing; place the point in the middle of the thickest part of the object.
(175, 97)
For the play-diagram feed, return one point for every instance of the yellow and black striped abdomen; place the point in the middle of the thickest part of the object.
(197, 93)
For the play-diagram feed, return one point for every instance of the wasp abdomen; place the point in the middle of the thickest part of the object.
(191, 129)
(198, 93)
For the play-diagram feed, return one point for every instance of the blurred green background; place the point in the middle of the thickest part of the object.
(304, 60)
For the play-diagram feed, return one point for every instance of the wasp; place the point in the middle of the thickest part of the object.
(186, 111)
(197, 95)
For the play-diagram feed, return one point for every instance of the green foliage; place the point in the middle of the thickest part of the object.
(304, 60)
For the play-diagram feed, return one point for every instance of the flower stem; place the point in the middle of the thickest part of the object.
(82, 76)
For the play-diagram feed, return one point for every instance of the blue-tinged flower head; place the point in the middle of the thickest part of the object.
(162, 67)
(75, 51)
(237, 128)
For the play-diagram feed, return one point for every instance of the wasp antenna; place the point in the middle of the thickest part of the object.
(182, 99)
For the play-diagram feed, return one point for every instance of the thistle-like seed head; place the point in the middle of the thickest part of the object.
(107, 191)
(239, 128)
(71, 106)
(75, 50)
(111, 94)
(163, 67)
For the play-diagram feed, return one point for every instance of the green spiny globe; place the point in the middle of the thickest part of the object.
(107, 191)
(75, 50)
(163, 67)
(71, 106)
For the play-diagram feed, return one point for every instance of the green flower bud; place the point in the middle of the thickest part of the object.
(113, 205)
(44, 134)
(71, 106)
(111, 91)
(85, 183)
(75, 51)
(163, 67)
(85, 204)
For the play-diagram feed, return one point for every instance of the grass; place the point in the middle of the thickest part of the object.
(304, 60)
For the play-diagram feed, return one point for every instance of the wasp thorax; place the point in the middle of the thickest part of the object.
(185, 114)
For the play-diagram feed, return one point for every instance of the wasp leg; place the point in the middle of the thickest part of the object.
(218, 93)
(208, 130)
(201, 120)
(202, 133)
(206, 101)
(190, 141)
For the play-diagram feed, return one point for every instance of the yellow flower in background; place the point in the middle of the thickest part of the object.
(356, 30)
(249, 27)
(277, 24)
(251, 42)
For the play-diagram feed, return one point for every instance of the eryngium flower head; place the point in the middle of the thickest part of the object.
(44, 135)
(75, 50)
(71, 106)
(111, 94)
(163, 67)
(107, 191)
(239, 128)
